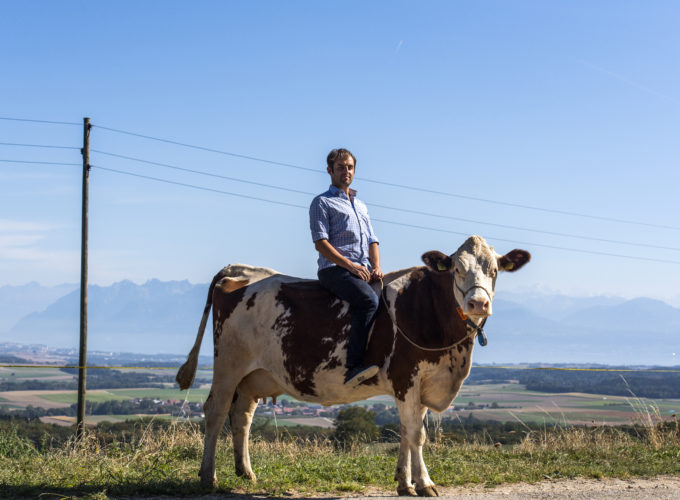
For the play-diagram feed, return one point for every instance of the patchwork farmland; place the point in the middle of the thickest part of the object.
(497, 402)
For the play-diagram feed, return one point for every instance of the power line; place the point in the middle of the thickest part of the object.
(36, 145)
(387, 207)
(41, 162)
(9, 118)
(210, 150)
(275, 202)
(568, 249)
(166, 181)
(209, 174)
(392, 184)
(519, 205)
(539, 231)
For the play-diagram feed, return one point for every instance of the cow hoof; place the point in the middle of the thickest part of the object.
(406, 491)
(428, 491)
(209, 483)
(247, 474)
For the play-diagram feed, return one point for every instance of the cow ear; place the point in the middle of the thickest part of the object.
(437, 261)
(513, 260)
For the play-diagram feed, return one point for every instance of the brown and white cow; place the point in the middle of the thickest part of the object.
(285, 335)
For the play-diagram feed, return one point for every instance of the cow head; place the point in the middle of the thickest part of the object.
(475, 266)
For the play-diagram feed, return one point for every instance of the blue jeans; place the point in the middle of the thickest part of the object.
(363, 302)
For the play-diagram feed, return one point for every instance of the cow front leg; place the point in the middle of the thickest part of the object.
(240, 418)
(413, 435)
(403, 474)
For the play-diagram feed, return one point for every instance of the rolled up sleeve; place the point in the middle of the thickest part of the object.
(372, 238)
(318, 220)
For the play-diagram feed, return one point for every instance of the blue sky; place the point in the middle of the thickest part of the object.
(565, 106)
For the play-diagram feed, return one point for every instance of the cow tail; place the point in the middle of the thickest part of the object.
(187, 372)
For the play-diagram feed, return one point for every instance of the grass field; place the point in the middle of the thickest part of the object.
(165, 462)
(195, 395)
(516, 403)
(192, 395)
(96, 419)
(72, 397)
(31, 373)
(310, 421)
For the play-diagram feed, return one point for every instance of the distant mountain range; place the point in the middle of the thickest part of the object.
(162, 317)
(156, 317)
(18, 301)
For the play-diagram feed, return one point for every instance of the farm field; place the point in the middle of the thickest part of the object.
(67, 398)
(498, 402)
(323, 422)
(22, 373)
(96, 419)
(514, 403)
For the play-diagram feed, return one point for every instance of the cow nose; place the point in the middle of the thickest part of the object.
(478, 306)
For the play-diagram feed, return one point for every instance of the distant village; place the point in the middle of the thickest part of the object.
(287, 408)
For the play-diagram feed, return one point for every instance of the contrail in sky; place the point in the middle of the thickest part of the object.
(401, 42)
(630, 82)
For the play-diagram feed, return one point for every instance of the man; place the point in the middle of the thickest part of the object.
(348, 256)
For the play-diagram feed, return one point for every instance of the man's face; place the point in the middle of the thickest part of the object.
(342, 172)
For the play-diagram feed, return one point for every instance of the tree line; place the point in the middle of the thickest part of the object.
(644, 383)
(96, 379)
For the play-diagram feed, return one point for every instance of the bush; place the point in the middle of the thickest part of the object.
(355, 424)
(14, 446)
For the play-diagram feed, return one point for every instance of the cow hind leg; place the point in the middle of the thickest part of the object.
(240, 418)
(215, 408)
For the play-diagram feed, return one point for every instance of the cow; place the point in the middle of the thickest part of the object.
(286, 335)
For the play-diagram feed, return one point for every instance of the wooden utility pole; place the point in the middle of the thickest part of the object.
(82, 360)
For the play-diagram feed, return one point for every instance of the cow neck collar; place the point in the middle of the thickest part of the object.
(473, 329)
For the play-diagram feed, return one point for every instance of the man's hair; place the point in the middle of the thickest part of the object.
(339, 154)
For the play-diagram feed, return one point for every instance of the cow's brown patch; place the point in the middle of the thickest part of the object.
(251, 301)
(332, 363)
(217, 333)
(311, 327)
(224, 304)
(426, 313)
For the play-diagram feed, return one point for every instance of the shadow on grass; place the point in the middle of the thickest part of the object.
(138, 490)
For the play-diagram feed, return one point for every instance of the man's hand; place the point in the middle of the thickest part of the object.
(361, 271)
(376, 274)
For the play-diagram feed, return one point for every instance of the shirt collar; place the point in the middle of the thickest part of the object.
(335, 191)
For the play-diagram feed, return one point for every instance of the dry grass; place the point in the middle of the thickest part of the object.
(166, 461)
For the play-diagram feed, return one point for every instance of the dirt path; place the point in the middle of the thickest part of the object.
(657, 488)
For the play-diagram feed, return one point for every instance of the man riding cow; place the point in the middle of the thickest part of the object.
(275, 334)
(349, 257)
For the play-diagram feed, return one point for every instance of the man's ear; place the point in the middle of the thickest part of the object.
(437, 261)
(513, 260)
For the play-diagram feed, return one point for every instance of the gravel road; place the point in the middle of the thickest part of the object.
(658, 488)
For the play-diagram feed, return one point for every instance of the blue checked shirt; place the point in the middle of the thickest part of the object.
(344, 222)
